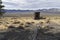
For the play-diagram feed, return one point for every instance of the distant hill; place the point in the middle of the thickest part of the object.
(13, 11)
(52, 10)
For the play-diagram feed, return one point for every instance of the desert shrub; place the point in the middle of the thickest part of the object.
(20, 27)
(16, 22)
(28, 23)
(13, 18)
(11, 21)
(45, 29)
(11, 27)
(0, 22)
(7, 22)
(33, 22)
(41, 23)
(42, 18)
(51, 27)
(48, 21)
(22, 24)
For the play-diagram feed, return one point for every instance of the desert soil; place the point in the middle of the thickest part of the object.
(43, 29)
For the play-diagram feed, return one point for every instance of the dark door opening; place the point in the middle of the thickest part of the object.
(37, 15)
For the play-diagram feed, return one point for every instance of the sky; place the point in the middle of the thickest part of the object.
(31, 4)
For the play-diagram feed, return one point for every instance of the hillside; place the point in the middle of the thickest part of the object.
(52, 10)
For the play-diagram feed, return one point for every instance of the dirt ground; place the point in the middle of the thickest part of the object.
(43, 29)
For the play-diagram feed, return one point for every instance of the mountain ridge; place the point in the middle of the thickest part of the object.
(52, 10)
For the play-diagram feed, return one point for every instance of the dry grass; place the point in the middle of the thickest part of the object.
(7, 21)
(19, 26)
